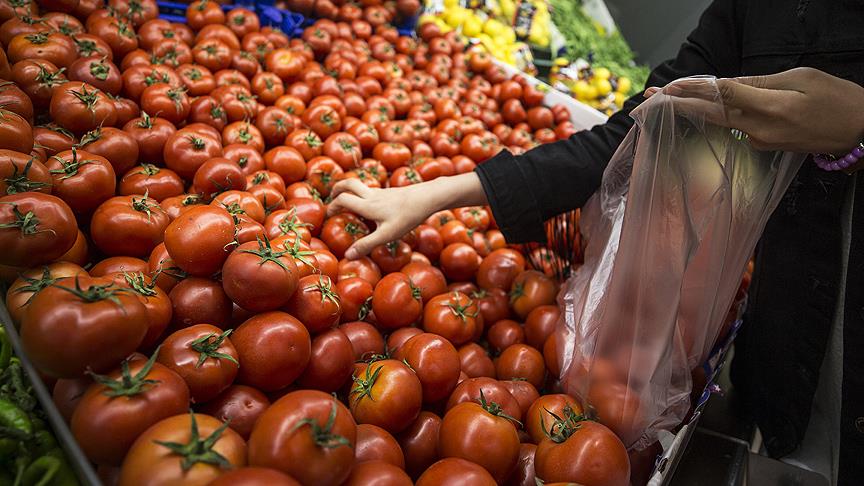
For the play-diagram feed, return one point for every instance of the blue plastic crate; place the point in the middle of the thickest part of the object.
(270, 16)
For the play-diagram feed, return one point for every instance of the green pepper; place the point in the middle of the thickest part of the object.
(14, 419)
(43, 442)
(5, 349)
(49, 470)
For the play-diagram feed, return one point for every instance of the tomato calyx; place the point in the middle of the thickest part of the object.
(146, 121)
(99, 69)
(94, 293)
(266, 254)
(70, 167)
(142, 205)
(324, 436)
(292, 224)
(38, 38)
(128, 385)
(87, 98)
(461, 311)
(563, 427)
(196, 450)
(66, 28)
(494, 409)
(353, 229)
(149, 170)
(19, 182)
(325, 286)
(28, 222)
(192, 200)
(194, 74)
(392, 247)
(86, 47)
(517, 292)
(208, 347)
(197, 142)
(36, 285)
(156, 77)
(216, 111)
(363, 386)
(137, 282)
(176, 95)
(92, 136)
(312, 140)
(365, 308)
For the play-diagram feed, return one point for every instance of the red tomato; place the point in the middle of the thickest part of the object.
(323, 120)
(521, 361)
(525, 394)
(87, 323)
(199, 301)
(30, 282)
(198, 240)
(83, 180)
(391, 257)
(541, 414)
(307, 434)
(453, 316)
(376, 444)
(582, 451)
(204, 357)
(531, 289)
(475, 362)
(396, 301)
(385, 393)
(454, 471)
(254, 476)
(186, 151)
(274, 348)
(152, 135)
(156, 456)
(127, 401)
(429, 279)
(331, 364)
(240, 404)
(503, 334)
(540, 324)
(258, 277)
(436, 363)
(156, 302)
(354, 294)
(341, 231)
(79, 107)
(365, 339)
(35, 228)
(493, 391)
(378, 472)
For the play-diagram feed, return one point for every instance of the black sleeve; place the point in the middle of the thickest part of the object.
(551, 179)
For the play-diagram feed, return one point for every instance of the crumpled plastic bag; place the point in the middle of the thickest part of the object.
(680, 209)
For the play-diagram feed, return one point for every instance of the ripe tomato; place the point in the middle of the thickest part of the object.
(151, 134)
(475, 362)
(617, 406)
(322, 173)
(540, 324)
(521, 361)
(54, 47)
(500, 268)
(30, 282)
(191, 449)
(531, 289)
(199, 301)
(254, 476)
(429, 279)
(378, 472)
(79, 107)
(81, 324)
(204, 12)
(159, 184)
(128, 225)
(126, 401)
(454, 471)
(396, 301)
(453, 316)
(385, 393)
(316, 304)
(525, 394)
(53, 139)
(198, 240)
(341, 231)
(307, 434)
(331, 363)
(274, 348)
(542, 412)
(115, 145)
(170, 102)
(15, 133)
(504, 334)
(481, 433)
(494, 304)
(204, 357)
(185, 152)
(98, 72)
(365, 339)
(323, 120)
(436, 363)
(582, 451)
(83, 180)
(344, 149)
(493, 391)
(112, 266)
(459, 261)
(391, 257)
(376, 444)
(35, 228)
(354, 294)
(239, 404)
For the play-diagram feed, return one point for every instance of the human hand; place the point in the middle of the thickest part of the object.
(398, 210)
(800, 110)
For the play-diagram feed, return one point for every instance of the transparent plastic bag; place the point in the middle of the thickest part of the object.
(681, 207)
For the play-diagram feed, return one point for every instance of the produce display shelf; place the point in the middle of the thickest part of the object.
(86, 474)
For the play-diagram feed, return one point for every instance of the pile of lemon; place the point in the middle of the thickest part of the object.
(599, 89)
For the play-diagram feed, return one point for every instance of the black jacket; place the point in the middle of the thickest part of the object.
(795, 287)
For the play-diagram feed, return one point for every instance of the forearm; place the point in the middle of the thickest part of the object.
(455, 192)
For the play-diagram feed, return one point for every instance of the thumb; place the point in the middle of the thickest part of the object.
(364, 246)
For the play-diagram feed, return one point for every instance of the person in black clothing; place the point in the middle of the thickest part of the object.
(798, 360)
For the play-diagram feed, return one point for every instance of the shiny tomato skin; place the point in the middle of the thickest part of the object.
(396, 301)
(592, 456)
(64, 335)
(436, 363)
(208, 378)
(454, 471)
(197, 300)
(185, 151)
(376, 444)
(353, 295)
(525, 394)
(315, 303)
(500, 268)
(128, 225)
(365, 339)
(540, 413)
(378, 472)
(79, 107)
(470, 432)
(391, 257)
(151, 134)
(341, 231)
(453, 316)
(149, 463)
(331, 362)
(503, 334)
(521, 361)
(385, 393)
(30, 282)
(419, 443)
(259, 277)
(197, 239)
(82, 179)
(240, 404)
(469, 391)
(157, 183)
(274, 348)
(429, 279)
(540, 324)
(531, 289)
(475, 361)
(255, 476)
(126, 416)
(459, 261)
(280, 440)
(53, 233)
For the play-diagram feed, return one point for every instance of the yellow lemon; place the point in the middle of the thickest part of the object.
(602, 73)
(624, 85)
(619, 99)
(604, 87)
(472, 26)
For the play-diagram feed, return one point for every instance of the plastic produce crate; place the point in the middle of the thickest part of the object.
(270, 16)
(86, 474)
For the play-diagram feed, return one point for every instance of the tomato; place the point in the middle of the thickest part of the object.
(436, 363)
(341, 231)
(67, 393)
(493, 391)
(244, 133)
(540, 324)
(331, 363)
(21, 173)
(429, 279)
(218, 176)
(616, 405)
(199, 301)
(254, 476)
(204, 357)
(15, 100)
(239, 404)
(118, 34)
(274, 348)
(545, 135)
(344, 149)
(204, 12)
(169, 102)
(454, 471)
(354, 292)
(310, 211)
(375, 444)
(565, 130)
(531, 289)
(98, 72)
(521, 361)
(482, 433)
(159, 184)
(15, 132)
(307, 434)
(475, 362)
(152, 135)
(323, 120)
(240, 203)
(503, 334)
(525, 394)
(127, 401)
(30, 282)
(524, 473)
(385, 393)
(83, 180)
(307, 142)
(54, 47)
(81, 324)
(315, 303)
(391, 257)
(392, 155)
(453, 316)
(115, 145)
(582, 451)
(181, 449)
(238, 102)
(378, 472)
(287, 162)
(365, 339)
(53, 138)
(128, 225)
(396, 301)
(199, 238)
(80, 107)
(35, 228)
(552, 355)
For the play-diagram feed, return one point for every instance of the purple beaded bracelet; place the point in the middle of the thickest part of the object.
(825, 163)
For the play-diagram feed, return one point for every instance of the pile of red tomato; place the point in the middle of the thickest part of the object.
(163, 195)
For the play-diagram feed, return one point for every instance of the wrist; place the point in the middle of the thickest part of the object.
(456, 191)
